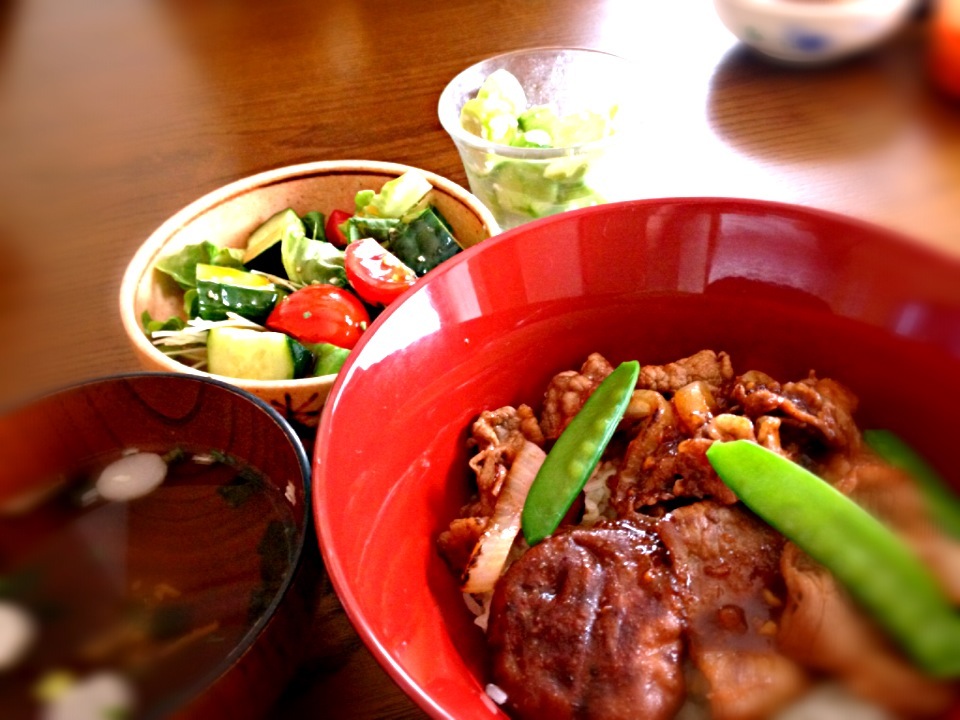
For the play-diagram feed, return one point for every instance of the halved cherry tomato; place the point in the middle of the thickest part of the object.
(333, 231)
(320, 314)
(376, 274)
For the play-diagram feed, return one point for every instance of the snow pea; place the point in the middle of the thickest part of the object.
(878, 569)
(943, 504)
(575, 454)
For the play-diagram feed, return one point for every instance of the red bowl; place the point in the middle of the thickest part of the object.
(783, 289)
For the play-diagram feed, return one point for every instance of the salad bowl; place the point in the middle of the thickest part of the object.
(783, 289)
(228, 215)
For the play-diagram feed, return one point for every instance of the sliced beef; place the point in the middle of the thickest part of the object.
(727, 566)
(823, 408)
(497, 436)
(695, 476)
(568, 391)
(585, 625)
(823, 629)
(662, 462)
(897, 500)
(639, 481)
(678, 469)
(457, 542)
(712, 368)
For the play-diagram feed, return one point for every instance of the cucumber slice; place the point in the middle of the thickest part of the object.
(231, 276)
(304, 360)
(424, 243)
(330, 358)
(271, 232)
(222, 289)
(255, 355)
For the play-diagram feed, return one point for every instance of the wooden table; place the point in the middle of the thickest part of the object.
(116, 113)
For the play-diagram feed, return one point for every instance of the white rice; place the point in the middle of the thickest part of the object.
(831, 701)
(596, 494)
(496, 693)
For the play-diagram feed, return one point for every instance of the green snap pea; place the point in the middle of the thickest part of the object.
(575, 455)
(875, 565)
(942, 503)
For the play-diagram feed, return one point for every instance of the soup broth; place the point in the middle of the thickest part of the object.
(159, 589)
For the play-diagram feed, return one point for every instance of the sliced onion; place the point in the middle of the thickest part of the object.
(490, 553)
(695, 404)
(132, 476)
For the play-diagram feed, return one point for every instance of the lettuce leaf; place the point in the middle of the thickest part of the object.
(396, 198)
(425, 242)
(182, 265)
(383, 230)
(151, 326)
(309, 261)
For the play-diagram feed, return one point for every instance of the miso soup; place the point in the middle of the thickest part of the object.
(156, 591)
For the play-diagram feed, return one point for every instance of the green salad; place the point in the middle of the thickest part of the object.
(295, 299)
(521, 188)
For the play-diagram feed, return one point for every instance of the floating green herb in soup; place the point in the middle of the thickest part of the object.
(134, 582)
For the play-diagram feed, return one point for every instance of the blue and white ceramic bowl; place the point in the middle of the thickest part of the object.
(813, 31)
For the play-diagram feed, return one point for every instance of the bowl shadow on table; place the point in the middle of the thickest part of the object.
(850, 108)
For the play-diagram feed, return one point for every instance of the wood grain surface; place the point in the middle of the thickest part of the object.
(114, 114)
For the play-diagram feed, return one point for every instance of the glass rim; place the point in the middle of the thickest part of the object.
(450, 118)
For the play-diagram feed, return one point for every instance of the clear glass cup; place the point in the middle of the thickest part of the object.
(520, 184)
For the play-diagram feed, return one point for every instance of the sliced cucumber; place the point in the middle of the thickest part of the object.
(222, 289)
(263, 245)
(330, 358)
(271, 232)
(254, 355)
(425, 242)
(231, 276)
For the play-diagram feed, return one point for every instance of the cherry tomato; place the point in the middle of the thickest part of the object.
(333, 231)
(320, 314)
(376, 274)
